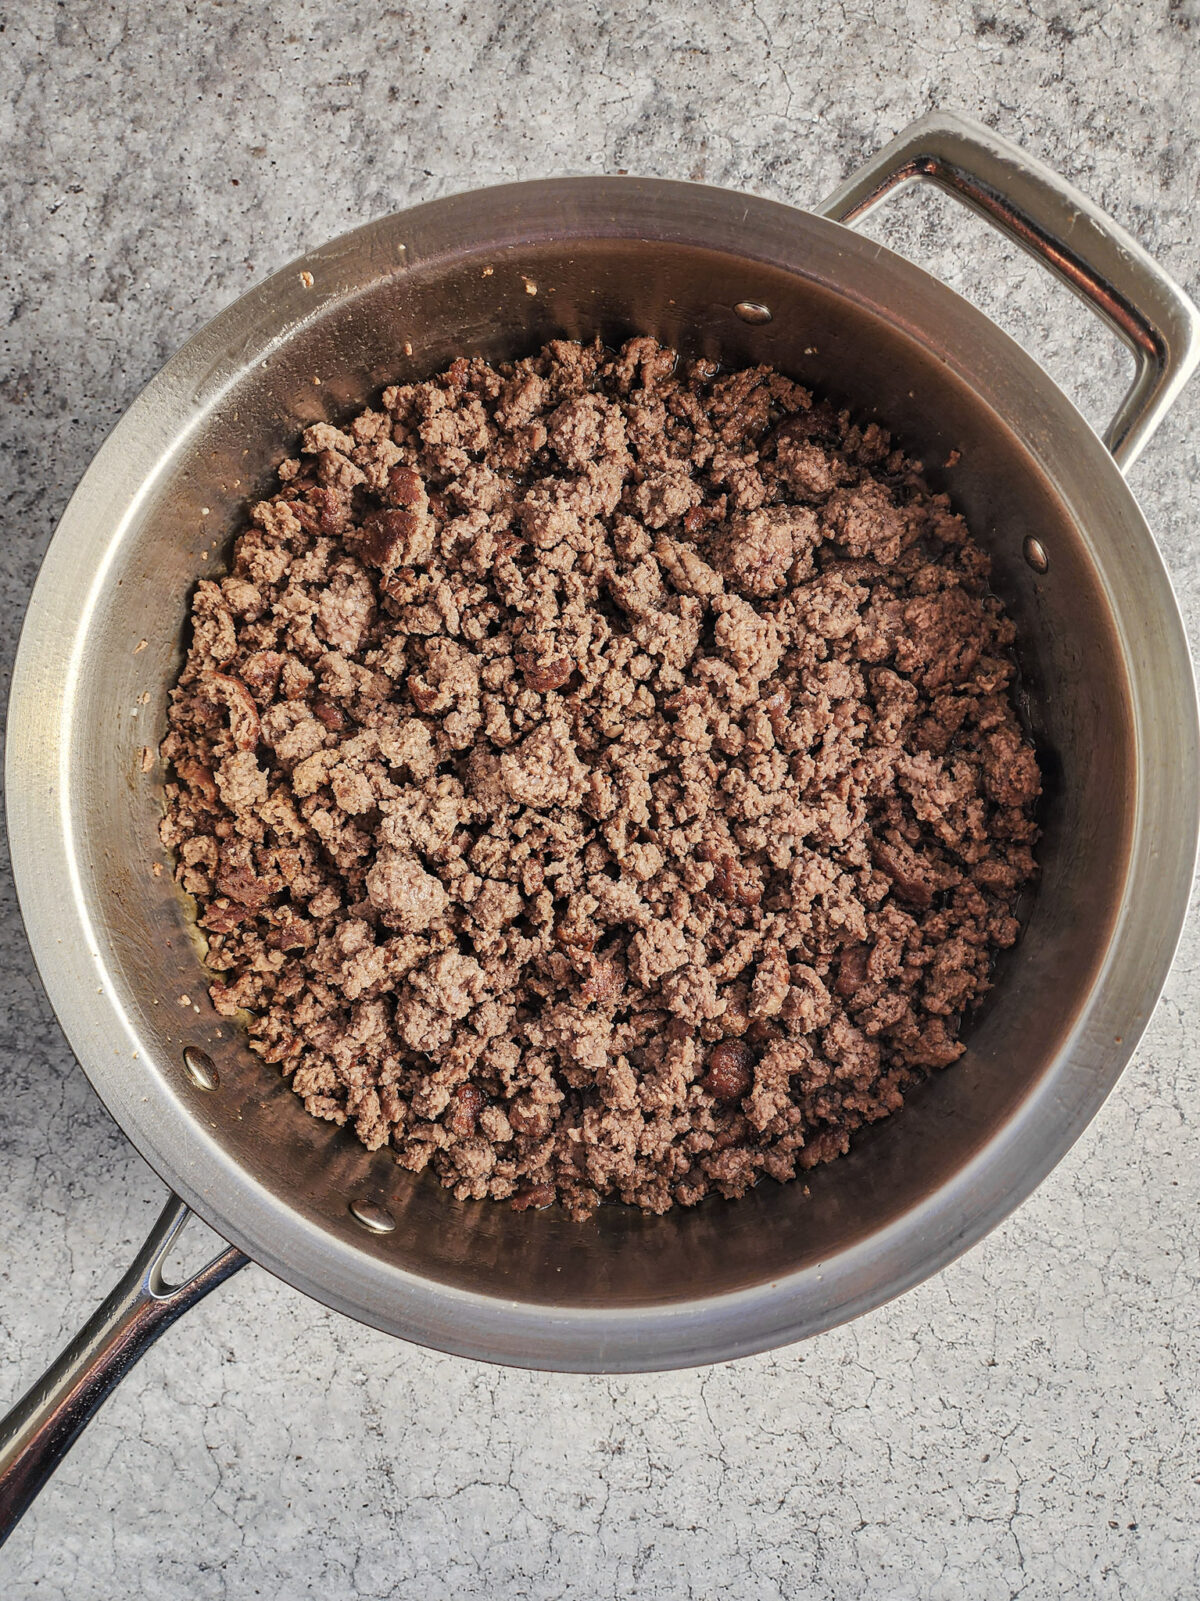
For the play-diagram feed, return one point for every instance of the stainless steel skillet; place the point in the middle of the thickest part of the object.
(1105, 668)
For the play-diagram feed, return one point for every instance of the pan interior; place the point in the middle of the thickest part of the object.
(406, 324)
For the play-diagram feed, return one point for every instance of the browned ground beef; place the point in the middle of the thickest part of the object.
(600, 778)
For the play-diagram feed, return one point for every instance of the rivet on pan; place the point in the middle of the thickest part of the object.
(372, 1216)
(200, 1068)
(1035, 554)
(752, 311)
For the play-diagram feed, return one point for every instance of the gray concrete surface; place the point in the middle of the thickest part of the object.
(1025, 1425)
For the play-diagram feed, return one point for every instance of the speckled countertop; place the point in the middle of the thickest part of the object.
(1027, 1423)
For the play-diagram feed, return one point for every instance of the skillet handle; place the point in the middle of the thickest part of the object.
(44, 1424)
(1028, 201)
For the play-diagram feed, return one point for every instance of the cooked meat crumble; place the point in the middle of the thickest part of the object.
(599, 778)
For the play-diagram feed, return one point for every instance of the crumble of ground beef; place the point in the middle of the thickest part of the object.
(599, 777)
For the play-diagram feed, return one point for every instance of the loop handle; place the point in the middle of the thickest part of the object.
(1052, 220)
